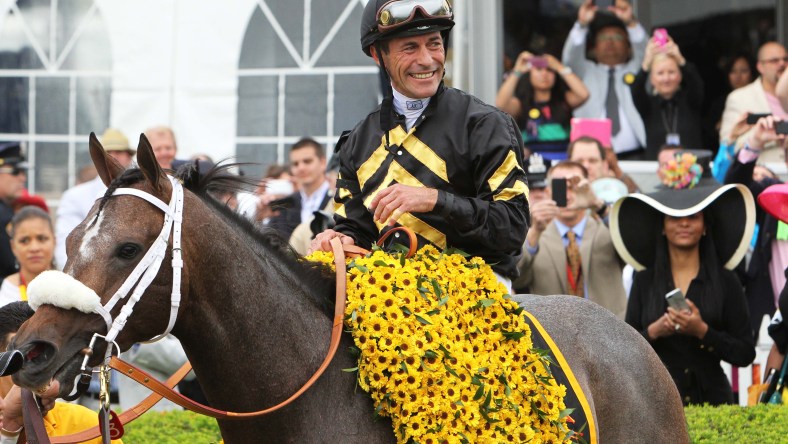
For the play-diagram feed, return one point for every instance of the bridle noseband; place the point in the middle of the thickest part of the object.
(148, 267)
(50, 287)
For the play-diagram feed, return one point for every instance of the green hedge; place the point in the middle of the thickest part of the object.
(734, 424)
(176, 427)
(726, 424)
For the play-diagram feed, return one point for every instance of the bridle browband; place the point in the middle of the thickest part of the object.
(50, 287)
(148, 267)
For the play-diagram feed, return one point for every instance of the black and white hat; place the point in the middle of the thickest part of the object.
(636, 218)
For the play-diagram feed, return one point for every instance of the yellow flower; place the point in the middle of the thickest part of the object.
(434, 353)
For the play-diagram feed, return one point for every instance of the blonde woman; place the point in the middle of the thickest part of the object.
(33, 245)
(668, 94)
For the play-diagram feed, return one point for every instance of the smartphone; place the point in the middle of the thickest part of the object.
(781, 127)
(538, 62)
(661, 37)
(283, 203)
(604, 4)
(676, 300)
(753, 118)
(558, 189)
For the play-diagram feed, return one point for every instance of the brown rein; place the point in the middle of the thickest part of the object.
(165, 390)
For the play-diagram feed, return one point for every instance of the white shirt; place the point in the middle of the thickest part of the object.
(410, 108)
(74, 206)
(311, 203)
(9, 293)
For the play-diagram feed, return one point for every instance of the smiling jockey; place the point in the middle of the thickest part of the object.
(431, 158)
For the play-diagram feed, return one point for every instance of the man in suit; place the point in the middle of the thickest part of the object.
(545, 267)
(606, 48)
(308, 167)
(758, 98)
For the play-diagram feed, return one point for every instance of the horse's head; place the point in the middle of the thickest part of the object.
(110, 245)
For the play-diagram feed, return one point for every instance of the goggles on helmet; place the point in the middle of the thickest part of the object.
(399, 12)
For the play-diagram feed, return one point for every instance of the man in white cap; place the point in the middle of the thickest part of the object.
(76, 202)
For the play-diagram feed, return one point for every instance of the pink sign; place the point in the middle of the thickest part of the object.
(599, 129)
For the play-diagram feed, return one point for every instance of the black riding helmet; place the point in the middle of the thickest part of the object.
(385, 19)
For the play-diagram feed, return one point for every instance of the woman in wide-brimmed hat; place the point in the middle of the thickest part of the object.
(689, 239)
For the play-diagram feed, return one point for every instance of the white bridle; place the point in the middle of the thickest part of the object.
(61, 290)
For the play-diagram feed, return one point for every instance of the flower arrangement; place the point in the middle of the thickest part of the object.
(446, 353)
(682, 171)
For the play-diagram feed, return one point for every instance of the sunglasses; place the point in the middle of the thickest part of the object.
(399, 12)
(14, 171)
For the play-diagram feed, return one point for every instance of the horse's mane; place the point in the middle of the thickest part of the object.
(218, 181)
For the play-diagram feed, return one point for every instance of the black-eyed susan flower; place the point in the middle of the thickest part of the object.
(436, 357)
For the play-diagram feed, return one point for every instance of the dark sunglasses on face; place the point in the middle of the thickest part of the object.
(397, 12)
(14, 171)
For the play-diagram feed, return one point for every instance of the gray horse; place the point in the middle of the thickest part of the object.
(254, 322)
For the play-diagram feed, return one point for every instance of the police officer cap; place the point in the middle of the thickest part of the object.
(11, 155)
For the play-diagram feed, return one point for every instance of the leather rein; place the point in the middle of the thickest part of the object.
(165, 390)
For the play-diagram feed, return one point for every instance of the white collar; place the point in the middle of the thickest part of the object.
(410, 108)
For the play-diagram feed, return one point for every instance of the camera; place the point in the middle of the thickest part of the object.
(537, 172)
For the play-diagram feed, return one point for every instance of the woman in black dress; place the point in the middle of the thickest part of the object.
(690, 239)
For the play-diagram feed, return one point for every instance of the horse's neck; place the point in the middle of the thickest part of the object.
(246, 318)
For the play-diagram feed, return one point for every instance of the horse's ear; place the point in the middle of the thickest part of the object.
(107, 167)
(147, 162)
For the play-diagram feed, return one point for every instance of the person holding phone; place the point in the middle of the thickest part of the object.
(668, 94)
(559, 221)
(689, 240)
(765, 276)
(759, 97)
(541, 93)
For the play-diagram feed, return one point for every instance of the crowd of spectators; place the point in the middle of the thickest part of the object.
(653, 99)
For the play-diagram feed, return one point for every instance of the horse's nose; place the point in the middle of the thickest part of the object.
(38, 352)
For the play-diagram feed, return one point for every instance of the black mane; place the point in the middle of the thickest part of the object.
(219, 181)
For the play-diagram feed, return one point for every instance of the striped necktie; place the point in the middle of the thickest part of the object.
(574, 268)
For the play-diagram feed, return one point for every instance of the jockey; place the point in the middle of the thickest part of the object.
(431, 158)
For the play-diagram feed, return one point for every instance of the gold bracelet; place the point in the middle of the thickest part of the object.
(11, 433)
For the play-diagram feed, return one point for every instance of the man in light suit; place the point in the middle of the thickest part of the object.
(544, 266)
(758, 98)
(606, 48)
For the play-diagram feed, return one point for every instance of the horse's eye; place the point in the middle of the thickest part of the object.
(128, 251)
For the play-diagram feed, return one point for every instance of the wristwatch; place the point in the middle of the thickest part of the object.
(565, 71)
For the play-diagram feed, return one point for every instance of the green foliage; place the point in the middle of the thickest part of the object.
(174, 427)
(724, 424)
(734, 424)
